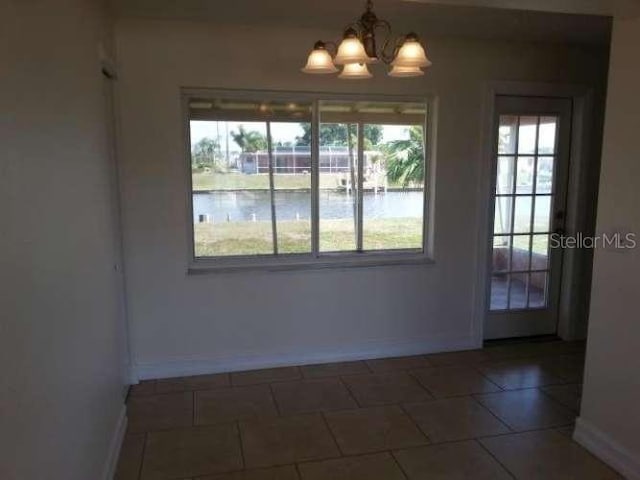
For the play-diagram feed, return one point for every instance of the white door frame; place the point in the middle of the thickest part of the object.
(584, 164)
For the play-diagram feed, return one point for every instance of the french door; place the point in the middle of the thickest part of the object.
(530, 173)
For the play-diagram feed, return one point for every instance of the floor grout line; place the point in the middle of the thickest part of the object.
(479, 443)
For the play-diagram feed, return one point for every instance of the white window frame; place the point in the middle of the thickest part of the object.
(315, 259)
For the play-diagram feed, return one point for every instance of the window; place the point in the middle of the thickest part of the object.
(293, 180)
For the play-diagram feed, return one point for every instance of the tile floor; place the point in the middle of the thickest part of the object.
(503, 412)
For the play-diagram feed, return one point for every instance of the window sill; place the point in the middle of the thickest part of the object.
(307, 262)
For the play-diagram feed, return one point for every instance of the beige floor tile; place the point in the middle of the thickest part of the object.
(189, 452)
(130, 459)
(159, 412)
(547, 455)
(568, 367)
(287, 472)
(285, 440)
(268, 375)
(145, 387)
(334, 369)
(316, 395)
(454, 380)
(374, 429)
(197, 382)
(384, 365)
(567, 395)
(455, 419)
(467, 357)
(520, 373)
(385, 389)
(450, 461)
(380, 466)
(567, 430)
(526, 409)
(235, 403)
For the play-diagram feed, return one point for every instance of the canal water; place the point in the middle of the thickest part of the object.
(243, 205)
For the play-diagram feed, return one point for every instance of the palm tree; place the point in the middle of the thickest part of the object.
(405, 158)
(249, 141)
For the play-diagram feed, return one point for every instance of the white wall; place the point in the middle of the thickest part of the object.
(60, 336)
(198, 323)
(609, 422)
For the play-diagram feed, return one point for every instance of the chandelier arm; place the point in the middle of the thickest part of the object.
(388, 58)
(383, 51)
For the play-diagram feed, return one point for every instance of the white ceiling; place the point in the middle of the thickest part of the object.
(556, 21)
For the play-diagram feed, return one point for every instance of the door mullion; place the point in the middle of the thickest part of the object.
(534, 198)
(513, 209)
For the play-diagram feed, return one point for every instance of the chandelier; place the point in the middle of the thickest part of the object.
(358, 49)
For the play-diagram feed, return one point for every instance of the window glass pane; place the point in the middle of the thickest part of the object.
(522, 219)
(520, 256)
(504, 176)
(524, 177)
(542, 218)
(544, 180)
(507, 134)
(292, 183)
(527, 135)
(231, 197)
(502, 215)
(393, 187)
(547, 135)
(338, 168)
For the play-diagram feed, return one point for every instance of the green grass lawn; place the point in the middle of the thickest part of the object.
(254, 238)
(203, 181)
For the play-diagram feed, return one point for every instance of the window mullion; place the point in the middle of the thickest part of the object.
(359, 190)
(274, 229)
(315, 180)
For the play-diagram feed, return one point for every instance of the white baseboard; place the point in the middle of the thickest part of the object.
(607, 449)
(115, 444)
(234, 362)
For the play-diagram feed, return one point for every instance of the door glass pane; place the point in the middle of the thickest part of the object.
(499, 291)
(505, 174)
(538, 289)
(547, 135)
(393, 187)
(338, 169)
(544, 179)
(507, 134)
(522, 220)
(231, 197)
(292, 183)
(527, 135)
(524, 176)
(520, 256)
(518, 290)
(502, 215)
(542, 218)
(540, 252)
(501, 254)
